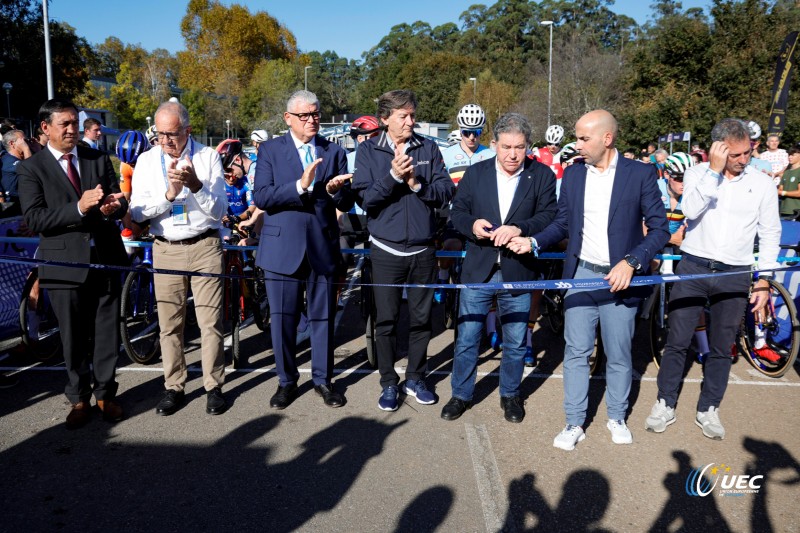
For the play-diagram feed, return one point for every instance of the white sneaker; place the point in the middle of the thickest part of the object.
(660, 417)
(568, 437)
(709, 421)
(620, 434)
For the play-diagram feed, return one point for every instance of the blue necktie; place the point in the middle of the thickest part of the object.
(307, 160)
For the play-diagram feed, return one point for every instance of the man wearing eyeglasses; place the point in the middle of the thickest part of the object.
(301, 179)
(180, 190)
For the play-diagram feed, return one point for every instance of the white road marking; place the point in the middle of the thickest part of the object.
(487, 475)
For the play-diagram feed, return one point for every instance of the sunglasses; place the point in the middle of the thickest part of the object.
(471, 133)
(678, 178)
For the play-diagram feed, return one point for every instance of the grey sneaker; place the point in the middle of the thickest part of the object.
(709, 421)
(568, 437)
(660, 417)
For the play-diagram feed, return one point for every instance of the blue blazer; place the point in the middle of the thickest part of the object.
(635, 198)
(532, 209)
(295, 225)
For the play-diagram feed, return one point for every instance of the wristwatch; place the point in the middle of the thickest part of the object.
(633, 263)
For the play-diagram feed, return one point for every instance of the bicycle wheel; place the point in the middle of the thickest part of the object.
(235, 306)
(38, 324)
(368, 312)
(139, 328)
(554, 310)
(659, 326)
(260, 302)
(781, 332)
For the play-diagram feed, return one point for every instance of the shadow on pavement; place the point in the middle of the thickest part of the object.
(585, 498)
(428, 510)
(88, 480)
(769, 457)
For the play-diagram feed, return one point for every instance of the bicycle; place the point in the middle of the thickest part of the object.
(139, 329)
(779, 328)
(38, 324)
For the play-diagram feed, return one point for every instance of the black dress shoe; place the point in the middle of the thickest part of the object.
(170, 403)
(329, 396)
(283, 396)
(454, 408)
(215, 402)
(513, 408)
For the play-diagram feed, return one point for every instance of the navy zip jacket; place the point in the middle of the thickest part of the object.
(396, 215)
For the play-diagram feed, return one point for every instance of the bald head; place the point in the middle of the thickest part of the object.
(596, 132)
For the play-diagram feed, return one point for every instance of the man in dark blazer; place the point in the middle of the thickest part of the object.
(498, 199)
(301, 179)
(602, 205)
(71, 197)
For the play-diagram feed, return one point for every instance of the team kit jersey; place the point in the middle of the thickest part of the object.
(675, 217)
(546, 157)
(240, 196)
(457, 161)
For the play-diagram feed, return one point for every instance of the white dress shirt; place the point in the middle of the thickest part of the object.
(506, 187)
(205, 208)
(596, 205)
(301, 153)
(725, 214)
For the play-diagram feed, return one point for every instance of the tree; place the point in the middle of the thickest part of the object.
(335, 80)
(264, 100)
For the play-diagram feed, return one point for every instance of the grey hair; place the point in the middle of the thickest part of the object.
(305, 97)
(730, 129)
(177, 109)
(661, 152)
(512, 123)
(397, 99)
(10, 136)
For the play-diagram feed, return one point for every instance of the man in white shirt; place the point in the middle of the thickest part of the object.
(726, 202)
(92, 132)
(601, 206)
(180, 190)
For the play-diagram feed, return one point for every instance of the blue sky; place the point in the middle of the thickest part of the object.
(348, 27)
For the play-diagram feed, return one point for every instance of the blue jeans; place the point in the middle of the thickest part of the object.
(583, 310)
(473, 307)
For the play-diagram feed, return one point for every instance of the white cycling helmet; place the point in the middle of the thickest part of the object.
(152, 134)
(754, 129)
(454, 137)
(259, 136)
(471, 117)
(678, 162)
(554, 134)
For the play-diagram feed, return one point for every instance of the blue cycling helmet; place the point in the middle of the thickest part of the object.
(131, 145)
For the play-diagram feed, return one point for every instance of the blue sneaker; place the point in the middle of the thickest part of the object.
(388, 399)
(438, 296)
(418, 390)
(529, 359)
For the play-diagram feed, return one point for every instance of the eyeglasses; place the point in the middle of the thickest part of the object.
(169, 135)
(553, 144)
(471, 133)
(305, 116)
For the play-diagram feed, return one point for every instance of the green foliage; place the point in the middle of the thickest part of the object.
(264, 100)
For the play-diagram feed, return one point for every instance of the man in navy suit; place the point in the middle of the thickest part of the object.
(70, 196)
(503, 197)
(601, 208)
(301, 179)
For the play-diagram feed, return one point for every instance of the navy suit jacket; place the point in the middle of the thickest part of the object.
(532, 209)
(50, 207)
(295, 225)
(635, 198)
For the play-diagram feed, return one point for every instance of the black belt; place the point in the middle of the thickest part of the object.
(190, 240)
(710, 264)
(599, 269)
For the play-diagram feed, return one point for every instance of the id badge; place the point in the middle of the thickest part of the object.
(180, 216)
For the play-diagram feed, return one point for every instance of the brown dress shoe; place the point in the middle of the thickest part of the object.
(112, 411)
(80, 415)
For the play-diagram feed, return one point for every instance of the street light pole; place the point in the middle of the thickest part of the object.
(550, 72)
(7, 86)
(148, 119)
(305, 76)
(228, 128)
(474, 89)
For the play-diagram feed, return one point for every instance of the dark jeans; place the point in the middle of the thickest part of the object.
(728, 297)
(388, 268)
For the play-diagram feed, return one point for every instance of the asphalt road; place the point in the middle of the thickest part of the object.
(312, 468)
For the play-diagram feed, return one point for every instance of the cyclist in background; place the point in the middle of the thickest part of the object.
(256, 138)
(549, 155)
(361, 129)
(130, 146)
(454, 137)
(152, 135)
(468, 150)
(237, 188)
